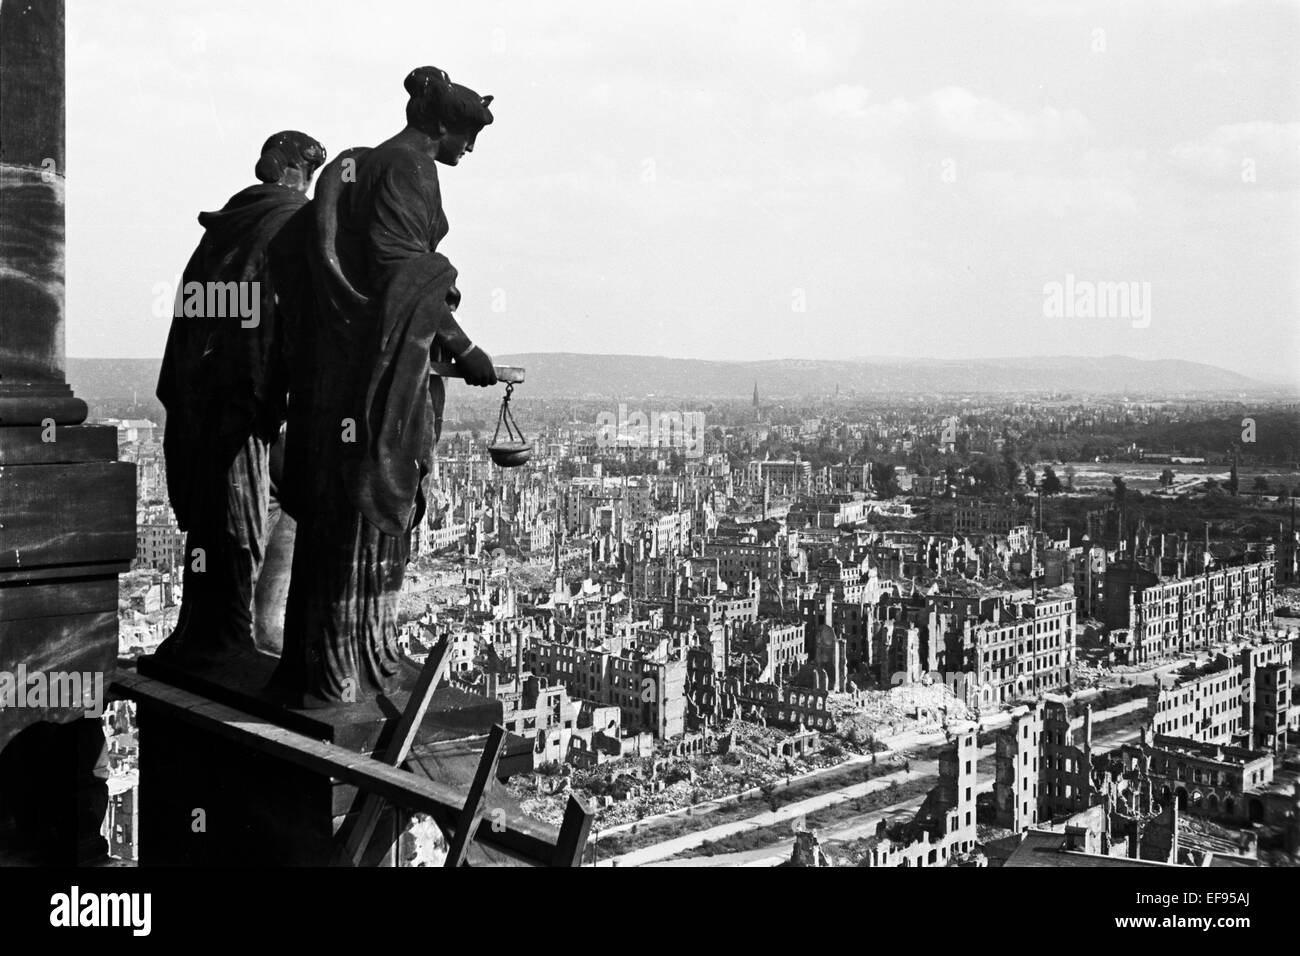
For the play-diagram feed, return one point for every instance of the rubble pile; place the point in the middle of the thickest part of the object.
(1088, 675)
(634, 789)
(906, 707)
(1288, 602)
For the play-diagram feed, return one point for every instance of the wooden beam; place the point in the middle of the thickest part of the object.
(408, 725)
(356, 833)
(521, 837)
(573, 833)
(473, 809)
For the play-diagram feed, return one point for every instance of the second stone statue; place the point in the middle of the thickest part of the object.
(375, 309)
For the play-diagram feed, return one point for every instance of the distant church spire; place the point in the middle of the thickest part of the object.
(756, 393)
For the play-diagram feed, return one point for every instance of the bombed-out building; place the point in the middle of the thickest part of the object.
(944, 828)
(1153, 616)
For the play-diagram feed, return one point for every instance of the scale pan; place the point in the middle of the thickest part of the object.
(511, 454)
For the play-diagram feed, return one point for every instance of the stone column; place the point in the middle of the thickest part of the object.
(67, 506)
(32, 170)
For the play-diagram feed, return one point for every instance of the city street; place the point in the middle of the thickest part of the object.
(921, 770)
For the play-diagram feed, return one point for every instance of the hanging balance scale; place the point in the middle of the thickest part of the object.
(509, 450)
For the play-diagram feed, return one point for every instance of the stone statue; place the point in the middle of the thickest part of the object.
(223, 383)
(364, 412)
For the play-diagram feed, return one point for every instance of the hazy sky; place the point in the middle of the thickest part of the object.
(739, 180)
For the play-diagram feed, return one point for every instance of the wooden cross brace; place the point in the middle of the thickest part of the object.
(355, 835)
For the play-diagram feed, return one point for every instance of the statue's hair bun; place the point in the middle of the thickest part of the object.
(286, 149)
(270, 166)
(418, 81)
(435, 99)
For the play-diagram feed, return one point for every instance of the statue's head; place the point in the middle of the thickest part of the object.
(291, 159)
(450, 113)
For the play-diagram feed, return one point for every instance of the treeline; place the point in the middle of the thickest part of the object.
(1229, 519)
(1266, 437)
(1276, 437)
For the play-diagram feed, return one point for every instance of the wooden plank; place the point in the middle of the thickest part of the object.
(470, 814)
(521, 837)
(574, 831)
(511, 374)
(357, 832)
(408, 725)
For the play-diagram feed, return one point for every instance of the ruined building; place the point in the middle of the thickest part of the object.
(714, 697)
(944, 826)
(648, 687)
(1048, 777)
(990, 648)
(1096, 804)
(1215, 780)
(1242, 697)
(1152, 617)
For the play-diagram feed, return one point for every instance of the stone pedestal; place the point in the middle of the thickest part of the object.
(67, 529)
(206, 801)
(68, 516)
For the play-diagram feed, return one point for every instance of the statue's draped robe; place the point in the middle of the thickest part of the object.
(223, 384)
(363, 418)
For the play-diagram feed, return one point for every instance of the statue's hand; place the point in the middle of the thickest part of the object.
(453, 298)
(477, 367)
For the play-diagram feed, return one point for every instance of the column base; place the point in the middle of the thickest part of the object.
(39, 404)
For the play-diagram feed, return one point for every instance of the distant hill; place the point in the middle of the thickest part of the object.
(573, 375)
(568, 374)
